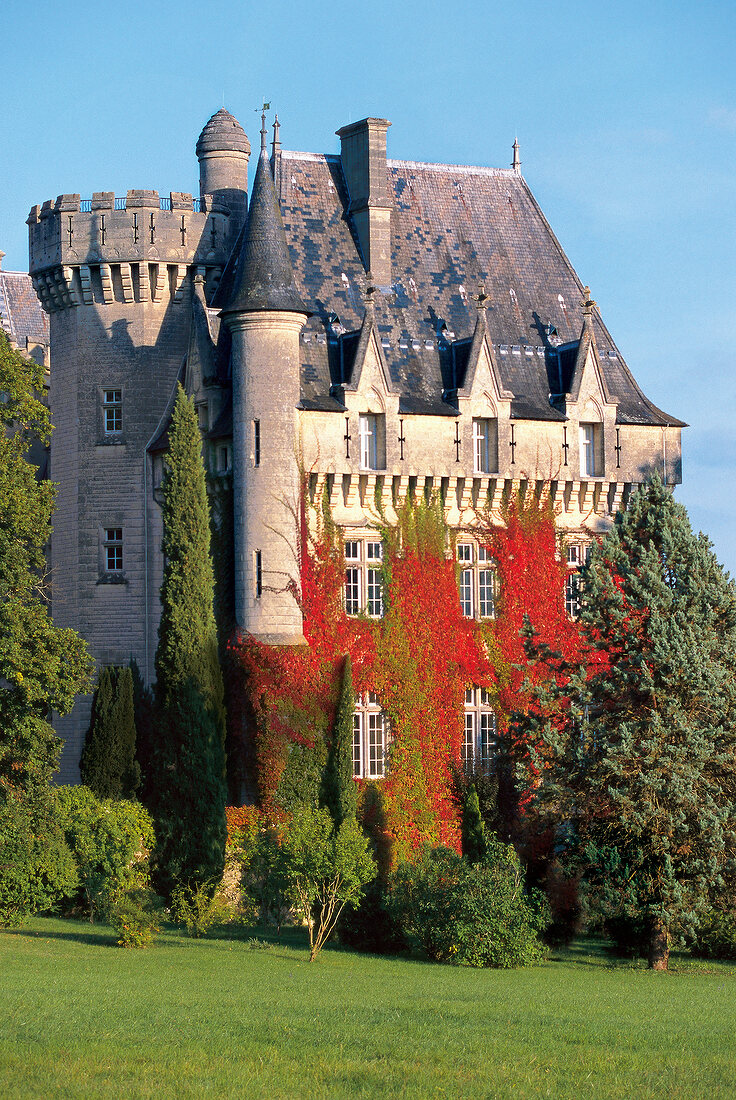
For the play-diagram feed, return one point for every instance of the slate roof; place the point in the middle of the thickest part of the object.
(453, 228)
(21, 315)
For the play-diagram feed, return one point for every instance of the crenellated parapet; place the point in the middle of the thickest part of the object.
(138, 248)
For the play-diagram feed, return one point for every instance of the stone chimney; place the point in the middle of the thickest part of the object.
(363, 154)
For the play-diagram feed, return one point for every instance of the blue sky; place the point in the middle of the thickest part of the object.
(625, 112)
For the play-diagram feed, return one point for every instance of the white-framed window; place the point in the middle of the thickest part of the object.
(112, 549)
(480, 737)
(372, 433)
(591, 459)
(364, 577)
(478, 582)
(577, 555)
(112, 411)
(370, 738)
(485, 446)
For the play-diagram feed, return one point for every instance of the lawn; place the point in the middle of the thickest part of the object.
(80, 1017)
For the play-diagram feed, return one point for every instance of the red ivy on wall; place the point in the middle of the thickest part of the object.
(418, 658)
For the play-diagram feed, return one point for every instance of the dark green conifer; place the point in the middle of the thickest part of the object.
(339, 794)
(188, 792)
(644, 763)
(473, 833)
(108, 765)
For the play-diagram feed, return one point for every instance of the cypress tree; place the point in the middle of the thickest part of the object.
(188, 793)
(339, 794)
(108, 765)
(644, 758)
(473, 833)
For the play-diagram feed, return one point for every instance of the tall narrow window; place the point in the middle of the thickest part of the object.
(485, 446)
(372, 432)
(376, 744)
(112, 411)
(370, 738)
(589, 465)
(258, 564)
(357, 744)
(352, 577)
(374, 584)
(480, 737)
(486, 585)
(465, 558)
(256, 443)
(113, 549)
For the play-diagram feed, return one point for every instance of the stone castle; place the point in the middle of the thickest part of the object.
(395, 327)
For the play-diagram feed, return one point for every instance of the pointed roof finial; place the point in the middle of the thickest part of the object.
(481, 299)
(516, 162)
(276, 145)
(263, 129)
(588, 302)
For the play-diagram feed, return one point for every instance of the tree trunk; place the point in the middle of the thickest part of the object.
(659, 946)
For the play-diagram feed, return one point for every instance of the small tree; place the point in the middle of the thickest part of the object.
(473, 829)
(643, 736)
(188, 793)
(339, 794)
(108, 765)
(326, 868)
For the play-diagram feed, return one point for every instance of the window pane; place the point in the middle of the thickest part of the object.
(357, 746)
(375, 593)
(368, 426)
(468, 745)
(487, 593)
(352, 591)
(487, 738)
(376, 745)
(466, 592)
(464, 551)
(352, 551)
(572, 595)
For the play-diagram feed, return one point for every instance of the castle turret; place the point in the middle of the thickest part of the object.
(223, 151)
(265, 314)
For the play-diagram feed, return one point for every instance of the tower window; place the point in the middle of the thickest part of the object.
(258, 568)
(113, 549)
(256, 443)
(485, 446)
(112, 411)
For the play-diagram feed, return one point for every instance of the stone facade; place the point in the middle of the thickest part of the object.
(390, 328)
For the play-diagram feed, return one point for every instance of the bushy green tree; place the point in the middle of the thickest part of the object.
(339, 794)
(474, 914)
(325, 868)
(108, 765)
(188, 791)
(37, 868)
(42, 667)
(644, 757)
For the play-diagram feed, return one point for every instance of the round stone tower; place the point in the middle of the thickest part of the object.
(116, 276)
(223, 151)
(265, 314)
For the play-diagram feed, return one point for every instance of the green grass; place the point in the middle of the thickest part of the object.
(80, 1017)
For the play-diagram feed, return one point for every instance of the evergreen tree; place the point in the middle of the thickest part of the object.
(644, 753)
(42, 667)
(108, 765)
(144, 731)
(339, 794)
(188, 789)
(473, 830)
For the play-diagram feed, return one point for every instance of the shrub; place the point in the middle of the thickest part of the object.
(36, 866)
(134, 916)
(108, 765)
(471, 914)
(200, 907)
(716, 936)
(370, 925)
(110, 842)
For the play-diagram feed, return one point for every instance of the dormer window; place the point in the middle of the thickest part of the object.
(372, 430)
(590, 456)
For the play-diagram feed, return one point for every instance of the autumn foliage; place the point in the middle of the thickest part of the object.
(419, 658)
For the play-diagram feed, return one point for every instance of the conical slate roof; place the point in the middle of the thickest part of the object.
(263, 276)
(222, 132)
